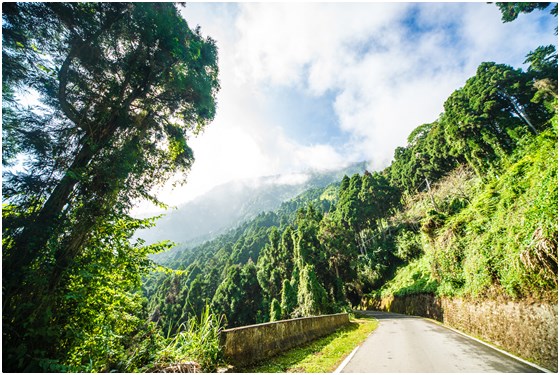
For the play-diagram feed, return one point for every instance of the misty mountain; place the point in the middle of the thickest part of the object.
(230, 204)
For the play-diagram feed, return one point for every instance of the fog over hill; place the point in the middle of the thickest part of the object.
(230, 204)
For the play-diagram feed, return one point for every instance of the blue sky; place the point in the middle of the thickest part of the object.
(306, 118)
(320, 85)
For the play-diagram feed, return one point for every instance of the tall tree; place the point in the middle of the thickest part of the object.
(275, 310)
(485, 118)
(289, 299)
(122, 86)
(239, 296)
(312, 296)
(269, 267)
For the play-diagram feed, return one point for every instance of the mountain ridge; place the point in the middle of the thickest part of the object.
(228, 205)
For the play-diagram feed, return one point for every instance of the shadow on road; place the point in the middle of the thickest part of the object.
(381, 315)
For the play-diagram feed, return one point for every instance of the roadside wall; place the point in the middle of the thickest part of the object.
(528, 330)
(249, 344)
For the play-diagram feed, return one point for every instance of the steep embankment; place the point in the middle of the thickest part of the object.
(486, 239)
(489, 255)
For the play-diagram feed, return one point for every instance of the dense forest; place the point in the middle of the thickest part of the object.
(468, 208)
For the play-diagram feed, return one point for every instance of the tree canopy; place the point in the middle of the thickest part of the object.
(121, 86)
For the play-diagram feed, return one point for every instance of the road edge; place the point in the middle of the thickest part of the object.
(346, 360)
(540, 368)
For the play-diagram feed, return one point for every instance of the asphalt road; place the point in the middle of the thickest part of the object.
(403, 343)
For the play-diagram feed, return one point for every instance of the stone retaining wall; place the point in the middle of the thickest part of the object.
(249, 344)
(528, 330)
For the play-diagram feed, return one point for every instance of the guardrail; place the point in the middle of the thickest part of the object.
(249, 344)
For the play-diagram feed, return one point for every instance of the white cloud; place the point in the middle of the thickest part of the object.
(289, 179)
(277, 42)
(384, 80)
(388, 81)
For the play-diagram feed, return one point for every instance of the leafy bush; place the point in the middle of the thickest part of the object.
(408, 245)
(507, 237)
(198, 341)
(413, 278)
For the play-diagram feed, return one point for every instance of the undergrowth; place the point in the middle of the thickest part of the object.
(414, 278)
(197, 344)
(479, 238)
(506, 239)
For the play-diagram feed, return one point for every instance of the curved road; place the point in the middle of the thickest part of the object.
(405, 343)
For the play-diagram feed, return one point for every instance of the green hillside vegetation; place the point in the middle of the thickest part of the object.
(231, 204)
(507, 236)
(468, 208)
(453, 223)
(502, 241)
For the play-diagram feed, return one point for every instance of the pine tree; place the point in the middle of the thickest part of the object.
(275, 310)
(312, 296)
(289, 299)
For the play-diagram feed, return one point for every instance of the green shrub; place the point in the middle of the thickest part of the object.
(198, 341)
(507, 237)
(275, 310)
(413, 278)
(408, 245)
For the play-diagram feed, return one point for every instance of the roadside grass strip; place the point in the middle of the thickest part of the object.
(322, 355)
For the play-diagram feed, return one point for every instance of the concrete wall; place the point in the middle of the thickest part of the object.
(528, 330)
(249, 344)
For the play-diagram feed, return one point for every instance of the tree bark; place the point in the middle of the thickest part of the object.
(519, 110)
(37, 233)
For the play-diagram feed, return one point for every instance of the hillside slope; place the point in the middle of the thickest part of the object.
(233, 203)
(489, 239)
(467, 208)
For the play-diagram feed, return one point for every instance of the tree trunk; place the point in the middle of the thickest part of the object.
(35, 236)
(519, 110)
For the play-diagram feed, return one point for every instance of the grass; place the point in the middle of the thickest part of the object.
(488, 239)
(415, 277)
(322, 355)
(198, 341)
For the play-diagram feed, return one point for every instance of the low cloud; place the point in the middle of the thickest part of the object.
(385, 68)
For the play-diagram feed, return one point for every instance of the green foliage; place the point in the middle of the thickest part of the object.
(413, 278)
(239, 296)
(198, 340)
(275, 262)
(510, 11)
(544, 70)
(409, 245)
(312, 296)
(507, 237)
(289, 299)
(96, 322)
(487, 117)
(427, 157)
(299, 235)
(275, 310)
(102, 301)
(113, 80)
